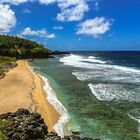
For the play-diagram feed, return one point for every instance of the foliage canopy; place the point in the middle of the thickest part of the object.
(14, 46)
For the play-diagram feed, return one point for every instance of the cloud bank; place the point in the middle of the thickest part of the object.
(7, 18)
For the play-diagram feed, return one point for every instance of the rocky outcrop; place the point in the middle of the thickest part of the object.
(23, 125)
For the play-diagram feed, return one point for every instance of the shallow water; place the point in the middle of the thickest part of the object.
(100, 90)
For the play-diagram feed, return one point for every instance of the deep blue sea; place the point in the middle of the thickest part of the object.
(99, 93)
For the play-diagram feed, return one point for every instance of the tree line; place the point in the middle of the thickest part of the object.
(14, 46)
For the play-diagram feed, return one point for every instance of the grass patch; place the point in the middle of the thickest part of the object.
(2, 136)
(6, 60)
(6, 63)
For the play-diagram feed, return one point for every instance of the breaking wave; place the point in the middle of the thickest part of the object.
(110, 78)
(114, 92)
(51, 97)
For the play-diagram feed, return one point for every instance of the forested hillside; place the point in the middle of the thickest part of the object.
(14, 46)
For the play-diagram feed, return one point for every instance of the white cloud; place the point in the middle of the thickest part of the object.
(16, 2)
(26, 11)
(73, 10)
(58, 27)
(70, 10)
(94, 27)
(41, 33)
(46, 2)
(67, 3)
(28, 31)
(7, 18)
(51, 36)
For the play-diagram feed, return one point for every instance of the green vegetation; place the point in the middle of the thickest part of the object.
(6, 60)
(1, 134)
(5, 64)
(14, 46)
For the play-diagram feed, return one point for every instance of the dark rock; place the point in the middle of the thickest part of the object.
(74, 137)
(24, 136)
(14, 126)
(23, 125)
(32, 122)
(16, 136)
(10, 133)
(86, 138)
(5, 116)
(22, 112)
(40, 120)
(52, 134)
(39, 129)
(75, 132)
(53, 138)
(36, 115)
(30, 127)
(67, 138)
(20, 130)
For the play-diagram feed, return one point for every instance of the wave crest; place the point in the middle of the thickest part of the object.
(113, 92)
(51, 97)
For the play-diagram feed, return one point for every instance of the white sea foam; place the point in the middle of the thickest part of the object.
(127, 69)
(51, 97)
(91, 57)
(112, 75)
(35, 67)
(113, 92)
(82, 76)
(101, 71)
(81, 62)
(135, 115)
(95, 60)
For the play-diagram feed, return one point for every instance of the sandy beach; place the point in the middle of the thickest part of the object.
(23, 88)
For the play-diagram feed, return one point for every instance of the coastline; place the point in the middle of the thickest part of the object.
(42, 106)
(23, 88)
(52, 99)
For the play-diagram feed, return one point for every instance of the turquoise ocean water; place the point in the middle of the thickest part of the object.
(99, 93)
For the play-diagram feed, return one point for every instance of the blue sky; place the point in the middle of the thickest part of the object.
(74, 24)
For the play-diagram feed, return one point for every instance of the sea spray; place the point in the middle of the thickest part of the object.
(51, 97)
